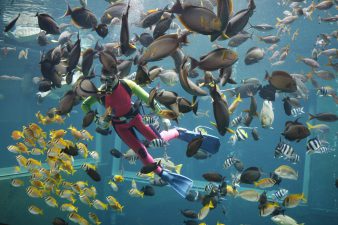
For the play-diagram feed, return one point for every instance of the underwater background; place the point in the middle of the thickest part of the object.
(18, 106)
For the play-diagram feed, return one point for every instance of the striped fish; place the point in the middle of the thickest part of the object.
(158, 143)
(241, 134)
(323, 150)
(294, 158)
(148, 119)
(297, 111)
(283, 149)
(313, 144)
(325, 91)
(211, 188)
(236, 121)
(228, 162)
(280, 194)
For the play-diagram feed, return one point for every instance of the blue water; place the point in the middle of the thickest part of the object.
(317, 173)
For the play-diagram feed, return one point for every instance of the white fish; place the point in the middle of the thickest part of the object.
(278, 63)
(284, 220)
(169, 77)
(23, 54)
(274, 55)
(297, 111)
(267, 116)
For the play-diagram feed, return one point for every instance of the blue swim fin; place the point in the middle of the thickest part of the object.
(179, 183)
(210, 143)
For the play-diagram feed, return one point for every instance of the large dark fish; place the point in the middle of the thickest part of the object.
(287, 106)
(295, 131)
(88, 118)
(166, 98)
(87, 61)
(252, 111)
(44, 85)
(102, 30)
(162, 26)
(82, 17)
(162, 47)
(145, 39)
(224, 12)
(126, 47)
(194, 145)
(268, 92)
(186, 83)
(102, 131)
(113, 11)
(73, 60)
(148, 190)
(213, 177)
(124, 67)
(189, 213)
(221, 111)
(216, 59)
(150, 167)
(282, 81)
(11, 24)
(142, 76)
(48, 24)
(198, 19)
(240, 19)
(254, 55)
(184, 106)
(239, 166)
(246, 90)
(263, 199)
(239, 39)
(326, 117)
(152, 18)
(225, 76)
(250, 175)
(93, 174)
(116, 153)
(66, 103)
(71, 150)
(108, 61)
(59, 221)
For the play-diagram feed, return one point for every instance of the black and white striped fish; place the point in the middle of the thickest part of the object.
(313, 144)
(283, 149)
(158, 143)
(297, 111)
(236, 121)
(228, 162)
(295, 158)
(209, 188)
(280, 194)
(148, 119)
(323, 150)
(325, 91)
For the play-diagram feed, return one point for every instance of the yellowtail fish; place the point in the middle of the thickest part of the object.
(89, 192)
(85, 200)
(17, 169)
(168, 164)
(235, 104)
(22, 161)
(99, 205)
(231, 191)
(33, 163)
(94, 218)
(50, 201)
(113, 185)
(87, 166)
(268, 208)
(265, 183)
(118, 178)
(37, 130)
(16, 135)
(56, 134)
(95, 155)
(114, 203)
(35, 210)
(82, 184)
(13, 149)
(87, 135)
(205, 211)
(33, 192)
(37, 184)
(28, 133)
(66, 207)
(146, 176)
(22, 147)
(17, 183)
(74, 217)
(136, 193)
(293, 200)
(65, 193)
(37, 151)
(83, 150)
(76, 133)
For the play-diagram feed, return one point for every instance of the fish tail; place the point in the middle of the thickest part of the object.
(183, 38)
(278, 21)
(309, 126)
(177, 8)
(194, 63)
(68, 12)
(238, 99)
(304, 198)
(311, 116)
(195, 108)
(178, 168)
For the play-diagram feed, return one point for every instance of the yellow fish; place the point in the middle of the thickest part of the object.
(22, 147)
(17, 183)
(16, 135)
(83, 150)
(87, 135)
(74, 217)
(33, 192)
(37, 151)
(113, 185)
(35, 210)
(33, 163)
(75, 133)
(118, 178)
(268, 208)
(205, 211)
(56, 134)
(85, 200)
(37, 183)
(94, 218)
(22, 161)
(136, 193)
(13, 149)
(99, 205)
(293, 200)
(37, 130)
(265, 183)
(50, 201)
(66, 207)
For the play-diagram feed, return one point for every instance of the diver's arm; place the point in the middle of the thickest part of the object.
(142, 94)
(87, 103)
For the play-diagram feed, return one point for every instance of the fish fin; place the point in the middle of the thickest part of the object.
(238, 99)
(231, 81)
(230, 130)
(194, 63)
(177, 8)
(195, 108)
(178, 168)
(267, 77)
(311, 117)
(68, 12)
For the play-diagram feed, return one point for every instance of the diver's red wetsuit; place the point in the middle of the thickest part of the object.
(125, 121)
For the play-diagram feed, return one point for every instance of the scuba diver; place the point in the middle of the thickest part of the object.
(116, 95)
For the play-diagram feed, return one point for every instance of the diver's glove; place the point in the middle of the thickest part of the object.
(158, 143)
